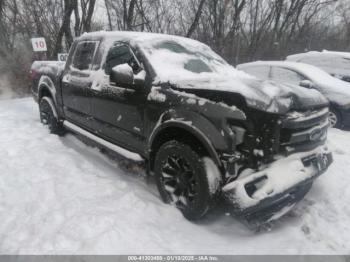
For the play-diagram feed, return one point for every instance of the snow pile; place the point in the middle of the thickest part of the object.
(59, 196)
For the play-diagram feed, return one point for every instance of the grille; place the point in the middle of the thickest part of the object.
(302, 131)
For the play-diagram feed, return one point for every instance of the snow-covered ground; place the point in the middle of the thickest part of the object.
(60, 196)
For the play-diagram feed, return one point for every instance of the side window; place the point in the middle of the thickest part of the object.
(120, 53)
(84, 55)
(287, 76)
(261, 72)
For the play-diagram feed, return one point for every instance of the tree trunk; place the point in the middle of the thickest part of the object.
(130, 16)
(65, 28)
(109, 15)
(196, 19)
(90, 12)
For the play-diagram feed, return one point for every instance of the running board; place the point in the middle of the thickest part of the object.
(121, 151)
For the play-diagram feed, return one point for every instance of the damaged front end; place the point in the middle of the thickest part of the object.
(278, 165)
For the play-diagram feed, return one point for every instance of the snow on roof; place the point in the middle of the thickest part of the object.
(308, 70)
(324, 53)
(135, 36)
(334, 63)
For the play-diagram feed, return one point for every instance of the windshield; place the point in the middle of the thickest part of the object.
(174, 59)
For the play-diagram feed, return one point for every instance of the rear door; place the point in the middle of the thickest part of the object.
(76, 83)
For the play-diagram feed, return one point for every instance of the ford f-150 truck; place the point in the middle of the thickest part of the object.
(206, 131)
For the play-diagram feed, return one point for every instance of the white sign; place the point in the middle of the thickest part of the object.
(62, 57)
(39, 44)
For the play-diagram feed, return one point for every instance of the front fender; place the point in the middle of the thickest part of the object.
(210, 136)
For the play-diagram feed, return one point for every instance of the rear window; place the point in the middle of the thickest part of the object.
(84, 55)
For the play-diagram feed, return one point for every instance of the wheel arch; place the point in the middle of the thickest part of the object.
(46, 88)
(333, 107)
(181, 131)
(51, 104)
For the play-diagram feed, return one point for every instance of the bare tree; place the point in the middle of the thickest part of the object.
(65, 30)
(196, 19)
(87, 7)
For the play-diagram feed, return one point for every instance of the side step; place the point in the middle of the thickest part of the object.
(119, 150)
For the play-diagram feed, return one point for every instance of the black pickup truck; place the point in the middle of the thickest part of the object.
(206, 131)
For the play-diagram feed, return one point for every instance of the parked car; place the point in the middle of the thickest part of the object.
(204, 129)
(310, 77)
(336, 64)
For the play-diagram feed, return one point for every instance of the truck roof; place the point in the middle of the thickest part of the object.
(130, 35)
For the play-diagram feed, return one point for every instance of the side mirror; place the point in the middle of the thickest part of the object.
(122, 75)
(306, 84)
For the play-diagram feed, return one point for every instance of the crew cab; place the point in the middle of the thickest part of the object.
(207, 131)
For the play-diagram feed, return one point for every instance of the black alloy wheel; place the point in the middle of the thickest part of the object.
(183, 180)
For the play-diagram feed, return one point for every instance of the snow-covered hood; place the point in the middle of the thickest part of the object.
(261, 95)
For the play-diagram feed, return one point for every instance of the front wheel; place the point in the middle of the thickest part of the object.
(187, 179)
(49, 117)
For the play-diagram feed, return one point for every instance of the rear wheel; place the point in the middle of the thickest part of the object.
(187, 179)
(48, 116)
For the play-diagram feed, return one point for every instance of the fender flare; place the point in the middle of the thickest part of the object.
(45, 82)
(50, 102)
(204, 140)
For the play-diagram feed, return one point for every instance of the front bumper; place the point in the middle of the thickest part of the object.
(270, 193)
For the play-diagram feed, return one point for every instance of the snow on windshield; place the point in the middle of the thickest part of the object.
(187, 59)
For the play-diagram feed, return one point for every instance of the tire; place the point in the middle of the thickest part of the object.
(187, 179)
(334, 118)
(49, 117)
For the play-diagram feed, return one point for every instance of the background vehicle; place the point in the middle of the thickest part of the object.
(336, 64)
(204, 128)
(307, 76)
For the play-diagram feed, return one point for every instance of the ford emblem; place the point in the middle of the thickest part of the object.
(316, 134)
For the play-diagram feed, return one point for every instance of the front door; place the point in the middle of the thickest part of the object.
(118, 112)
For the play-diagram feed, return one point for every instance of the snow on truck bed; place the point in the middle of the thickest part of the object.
(59, 196)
